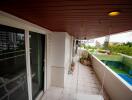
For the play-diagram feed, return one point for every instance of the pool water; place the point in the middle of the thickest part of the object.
(126, 78)
(120, 69)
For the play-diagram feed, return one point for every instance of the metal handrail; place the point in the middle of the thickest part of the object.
(15, 88)
(12, 52)
(12, 57)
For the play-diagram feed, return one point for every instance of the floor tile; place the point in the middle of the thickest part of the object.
(81, 85)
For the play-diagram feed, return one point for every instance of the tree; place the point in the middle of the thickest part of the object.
(121, 48)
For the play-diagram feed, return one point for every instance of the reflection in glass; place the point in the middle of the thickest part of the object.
(13, 84)
(37, 56)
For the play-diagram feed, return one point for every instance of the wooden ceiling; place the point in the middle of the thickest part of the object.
(77, 17)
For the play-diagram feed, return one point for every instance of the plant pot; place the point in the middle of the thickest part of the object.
(85, 62)
(81, 61)
(72, 67)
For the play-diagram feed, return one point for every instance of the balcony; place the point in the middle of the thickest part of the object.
(39, 40)
(83, 84)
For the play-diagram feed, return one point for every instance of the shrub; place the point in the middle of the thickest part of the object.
(124, 49)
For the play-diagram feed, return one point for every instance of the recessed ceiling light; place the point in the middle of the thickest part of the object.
(114, 13)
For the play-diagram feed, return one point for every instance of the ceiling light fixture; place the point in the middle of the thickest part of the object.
(114, 13)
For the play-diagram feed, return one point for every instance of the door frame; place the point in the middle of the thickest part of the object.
(28, 66)
(28, 63)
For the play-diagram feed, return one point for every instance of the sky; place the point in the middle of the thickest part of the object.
(120, 37)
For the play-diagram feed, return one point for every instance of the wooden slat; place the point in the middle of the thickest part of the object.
(72, 15)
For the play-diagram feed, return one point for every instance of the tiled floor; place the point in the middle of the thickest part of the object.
(81, 85)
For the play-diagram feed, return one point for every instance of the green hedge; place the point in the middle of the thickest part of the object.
(124, 49)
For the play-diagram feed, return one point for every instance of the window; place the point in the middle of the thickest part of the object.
(13, 80)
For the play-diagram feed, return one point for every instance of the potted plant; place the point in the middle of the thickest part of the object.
(72, 66)
(85, 58)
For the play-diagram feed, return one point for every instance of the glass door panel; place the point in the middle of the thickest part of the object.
(13, 77)
(37, 64)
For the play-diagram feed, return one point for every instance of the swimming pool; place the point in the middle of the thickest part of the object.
(120, 69)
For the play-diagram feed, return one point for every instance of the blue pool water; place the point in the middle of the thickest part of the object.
(120, 69)
(126, 78)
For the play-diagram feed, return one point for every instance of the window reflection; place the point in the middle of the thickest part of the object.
(37, 64)
(13, 84)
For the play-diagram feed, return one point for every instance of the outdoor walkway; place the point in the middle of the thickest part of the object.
(82, 85)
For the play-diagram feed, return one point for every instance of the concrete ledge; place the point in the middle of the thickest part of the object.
(116, 87)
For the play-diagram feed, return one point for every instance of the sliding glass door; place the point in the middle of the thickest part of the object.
(37, 44)
(13, 77)
(13, 73)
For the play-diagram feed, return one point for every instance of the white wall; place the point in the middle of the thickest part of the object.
(68, 52)
(57, 58)
(115, 86)
(60, 57)
(58, 49)
(49, 59)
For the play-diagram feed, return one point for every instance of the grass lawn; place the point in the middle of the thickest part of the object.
(109, 57)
